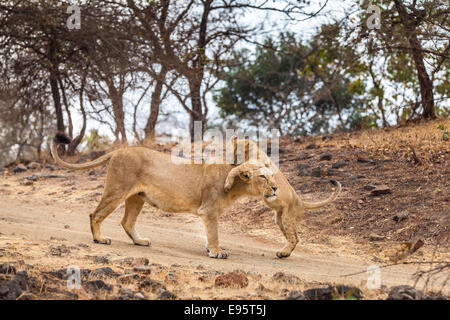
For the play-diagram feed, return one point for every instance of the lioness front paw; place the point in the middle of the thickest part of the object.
(217, 253)
(142, 242)
(103, 241)
(283, 254)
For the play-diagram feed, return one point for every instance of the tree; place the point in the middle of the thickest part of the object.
(295, 87)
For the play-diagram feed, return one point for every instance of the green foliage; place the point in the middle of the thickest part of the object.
(94, 141)
(444, 132)
(294, 86)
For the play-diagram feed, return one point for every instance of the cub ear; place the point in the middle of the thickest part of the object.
(245, 175)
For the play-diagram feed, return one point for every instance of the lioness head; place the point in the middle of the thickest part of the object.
(259, 178)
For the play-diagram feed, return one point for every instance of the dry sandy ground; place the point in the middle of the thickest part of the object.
(44, 225)
(52, 214)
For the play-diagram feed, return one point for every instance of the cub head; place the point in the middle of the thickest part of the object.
(260, 179)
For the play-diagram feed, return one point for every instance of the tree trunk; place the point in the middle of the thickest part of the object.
(426, 85)
(154, 108)
(119, 115)
(197, 112)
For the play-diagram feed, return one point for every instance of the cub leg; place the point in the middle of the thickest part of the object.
(280, 222)
(289, 224)
(133, 206)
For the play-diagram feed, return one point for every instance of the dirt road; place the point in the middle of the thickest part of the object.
(179, 239)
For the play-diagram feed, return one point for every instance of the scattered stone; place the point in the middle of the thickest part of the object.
(7, 268)
(59, 251)
(332, 172)
(171, 278)
(365, 160)
(338, 164)
(404, 293)
(295, 295)
(66, 226)
(326, 157)
(139, 296)
(141, 261)
(287, 278)
(25, 182)
(333, 292)
(302, 166)
(151, 285)
(380, 190)
(369, 187)
(167, 295)
(142, 269)
(376, 237)
(105, 271)
(401, 216)
(92, 172)
(20, 168)
(232, 279)
(312, 146)
(131, 277)
(101, 260)
(34, 165)
(96, 285)
(50, 167)
(316, 172)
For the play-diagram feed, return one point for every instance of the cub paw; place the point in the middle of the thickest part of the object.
(103, 241)
(217, 254)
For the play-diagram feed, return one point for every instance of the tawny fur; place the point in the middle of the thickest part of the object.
(137, 175)
(287, 204)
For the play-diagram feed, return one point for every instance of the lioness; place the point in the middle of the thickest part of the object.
(288, 205)
(138, 175)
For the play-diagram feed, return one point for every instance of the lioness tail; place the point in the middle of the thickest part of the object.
(62, 138)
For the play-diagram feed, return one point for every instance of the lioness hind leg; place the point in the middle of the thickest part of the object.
(133, 206)
(107, 205)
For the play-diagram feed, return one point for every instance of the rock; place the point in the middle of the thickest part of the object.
(61, 250)
(34, 165)
(50, 167)
(141, 261)
(151, 285)
(7, 268)
(101, 260)
(295, 295)
(338, 164)
(326, 157)
(167, 295)
(302, 166)
(376, 237)
(130, 277)
(312, 146)
(316, 172)
(139, 296)
(92, 172)
(66, 226)
(232, 279)
(365, 160)
(401, 216)
(369, 187)
(333, 292)
(380, 190)
(287, 278)
(96, 285)
(20, 168)
(105, 271)
(332, 172)
(142, 269)
(171, 278)
(404, 293)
